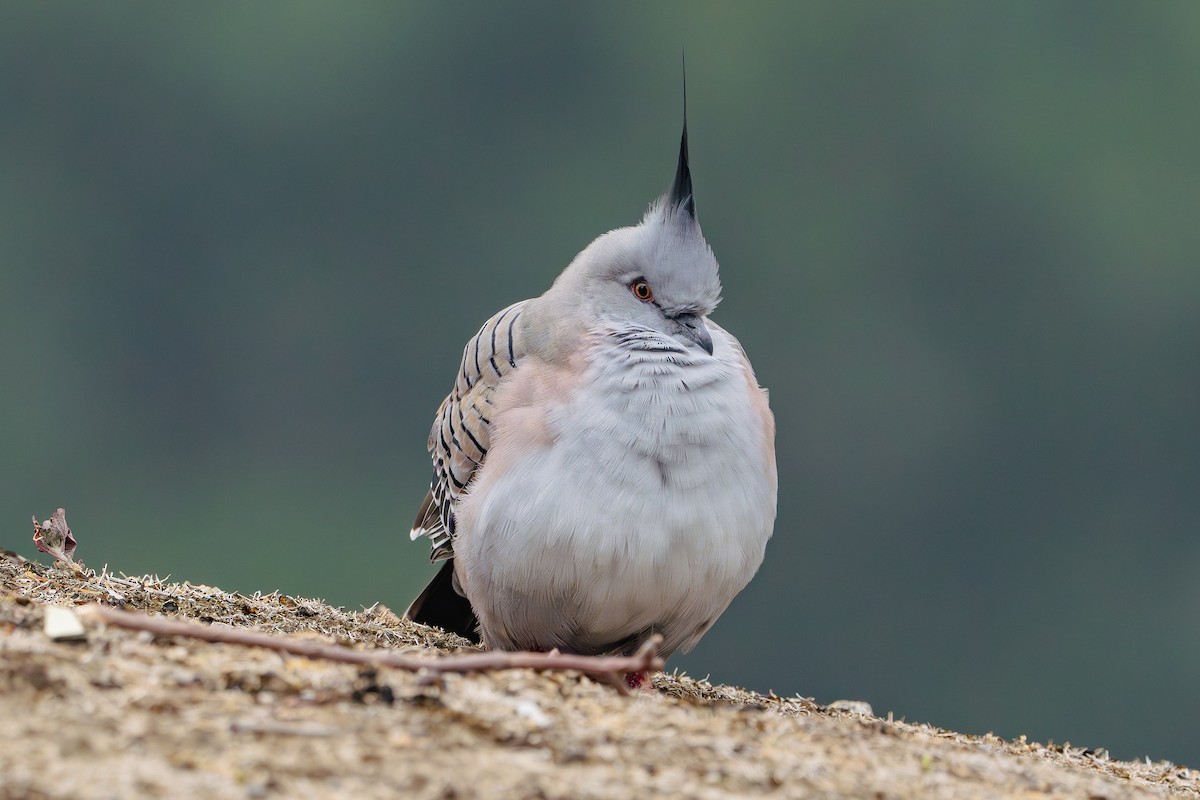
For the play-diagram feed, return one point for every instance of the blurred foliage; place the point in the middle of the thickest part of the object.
(242, 245)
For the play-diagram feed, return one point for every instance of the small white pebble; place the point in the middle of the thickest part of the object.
(530, 711)
(62, 624)
(853, 706)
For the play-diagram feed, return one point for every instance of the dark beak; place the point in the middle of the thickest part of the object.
(692, 328)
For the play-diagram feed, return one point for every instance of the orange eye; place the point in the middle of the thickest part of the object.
(641, 290)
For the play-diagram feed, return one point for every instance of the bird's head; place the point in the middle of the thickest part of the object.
(659, 274)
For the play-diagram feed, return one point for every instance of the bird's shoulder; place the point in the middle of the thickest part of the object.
(757, 396)
(739, 353)
(461, 433)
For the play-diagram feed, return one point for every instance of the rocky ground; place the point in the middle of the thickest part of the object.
(104, 712)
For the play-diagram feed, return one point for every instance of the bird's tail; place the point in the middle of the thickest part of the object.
(441, 606)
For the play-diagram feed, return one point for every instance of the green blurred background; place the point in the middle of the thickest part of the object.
(242, 245)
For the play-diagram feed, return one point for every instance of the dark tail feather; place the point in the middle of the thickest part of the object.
(443, 607)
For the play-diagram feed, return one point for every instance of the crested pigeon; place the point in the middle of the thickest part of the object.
(604, 468)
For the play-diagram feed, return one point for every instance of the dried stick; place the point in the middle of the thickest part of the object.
(606, 669)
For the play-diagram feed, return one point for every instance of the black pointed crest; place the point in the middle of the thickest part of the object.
(681, 189)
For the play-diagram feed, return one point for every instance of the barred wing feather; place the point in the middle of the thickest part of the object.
(459, 440)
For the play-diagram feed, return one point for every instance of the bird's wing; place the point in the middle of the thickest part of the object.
(459, 440)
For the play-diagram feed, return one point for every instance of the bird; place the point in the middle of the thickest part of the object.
(604, 467)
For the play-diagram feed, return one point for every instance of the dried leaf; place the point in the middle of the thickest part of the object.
(54, 537)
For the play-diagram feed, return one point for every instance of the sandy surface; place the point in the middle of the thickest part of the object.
(124, 714)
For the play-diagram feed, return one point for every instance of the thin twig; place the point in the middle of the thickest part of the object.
(281, 728)
(607, 669)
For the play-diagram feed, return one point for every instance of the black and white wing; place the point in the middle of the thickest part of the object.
(459, 440)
